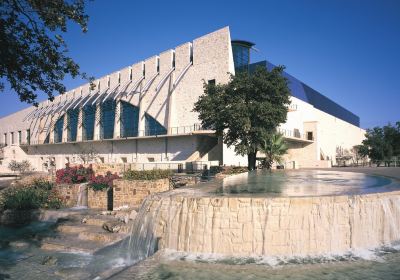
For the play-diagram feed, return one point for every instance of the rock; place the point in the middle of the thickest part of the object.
(112, 226)
(84, 220)
(122, 217)
(72, 273)
(19, 244)
(132, 215)
(49, 260)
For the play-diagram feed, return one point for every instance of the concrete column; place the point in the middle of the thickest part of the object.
(79, 133)
(97, 122)
(141, 124)
(117, 121)
(65, 128)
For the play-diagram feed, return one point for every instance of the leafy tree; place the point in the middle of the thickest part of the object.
(32, 49)
(246, 110)
(274, 147)
(360, 152)
(383, 143)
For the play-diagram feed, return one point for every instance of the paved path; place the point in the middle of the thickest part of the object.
(393, 172)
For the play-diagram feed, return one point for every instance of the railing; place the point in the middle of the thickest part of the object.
(181, 130)
(295, 133)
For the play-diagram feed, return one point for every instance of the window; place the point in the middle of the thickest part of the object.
(28, 136)
(153, 127)
(173, 59)
(72, 124)
(58, 130)
(89, 115)
(150, 159)
(211, 82)
(158, 64)
(107, 119)
(19, 137)
(191, 52)
(129, 120)
(5, 139)
(144, 70)
(12, 138)
(130, 73)
(310, 135)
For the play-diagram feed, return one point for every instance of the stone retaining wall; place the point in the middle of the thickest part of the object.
(132, 193)
(306, 226)
(97, 199)
(68, 194)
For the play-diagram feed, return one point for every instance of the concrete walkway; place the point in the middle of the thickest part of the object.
(393, 172)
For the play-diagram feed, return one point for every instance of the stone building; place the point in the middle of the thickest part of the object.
(143, 114)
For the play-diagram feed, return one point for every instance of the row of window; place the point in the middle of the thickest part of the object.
(129, 117)
(16, 138)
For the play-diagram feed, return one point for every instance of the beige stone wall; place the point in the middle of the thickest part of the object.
(68, 194)
(308, 226)
(132, 193)
(97, 199)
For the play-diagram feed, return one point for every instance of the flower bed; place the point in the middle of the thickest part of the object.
(74, 175)
(101, 182)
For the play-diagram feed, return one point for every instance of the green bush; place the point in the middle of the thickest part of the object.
(41, 183)
(147, 174)
(29, 198)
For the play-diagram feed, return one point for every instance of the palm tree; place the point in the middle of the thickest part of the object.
(274, 147)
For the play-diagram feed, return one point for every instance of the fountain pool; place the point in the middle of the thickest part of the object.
(296, 224)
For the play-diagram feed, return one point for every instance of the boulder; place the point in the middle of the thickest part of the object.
(132, 215)
(112, 226)
(49, 260)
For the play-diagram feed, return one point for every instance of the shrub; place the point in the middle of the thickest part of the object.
(73, 175)
(29, 198)
(101, 182)
(41, 183)
(22, 166)
(147, 174)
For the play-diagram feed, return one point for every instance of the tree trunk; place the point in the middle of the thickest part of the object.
(251, 158)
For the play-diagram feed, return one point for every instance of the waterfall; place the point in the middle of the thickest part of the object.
(143, 241)
(82, 201)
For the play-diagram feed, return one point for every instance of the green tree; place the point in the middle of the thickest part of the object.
(246, 110)
(33, 53)
(383, 143)
(274, 148)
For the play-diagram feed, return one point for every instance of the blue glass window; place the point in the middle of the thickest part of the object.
(129, 120)
(89, 115)
(107, 119)
(153, 127)
(241, 57)
(73, 115)
(58, 130)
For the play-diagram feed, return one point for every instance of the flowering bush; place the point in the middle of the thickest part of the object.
(73, 175)
(101, 182)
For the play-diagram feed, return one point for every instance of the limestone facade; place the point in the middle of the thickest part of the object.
(162, 88)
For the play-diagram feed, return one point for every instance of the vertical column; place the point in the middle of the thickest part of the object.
(117, 121)
(65, 128)
(50, 129)
(97, 123)
(79, 133)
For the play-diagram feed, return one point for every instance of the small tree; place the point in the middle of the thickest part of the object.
(88, 154)
(274, 147)
(20, 167)
(360, 153)
(246, 110)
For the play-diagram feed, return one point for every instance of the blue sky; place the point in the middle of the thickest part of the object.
(348, 50)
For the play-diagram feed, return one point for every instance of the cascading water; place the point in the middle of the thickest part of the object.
(142, 242)
(82, 201)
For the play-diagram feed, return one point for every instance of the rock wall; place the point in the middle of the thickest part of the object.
(68, 194)
(132, 193)
(275, 226)
(98, 199)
